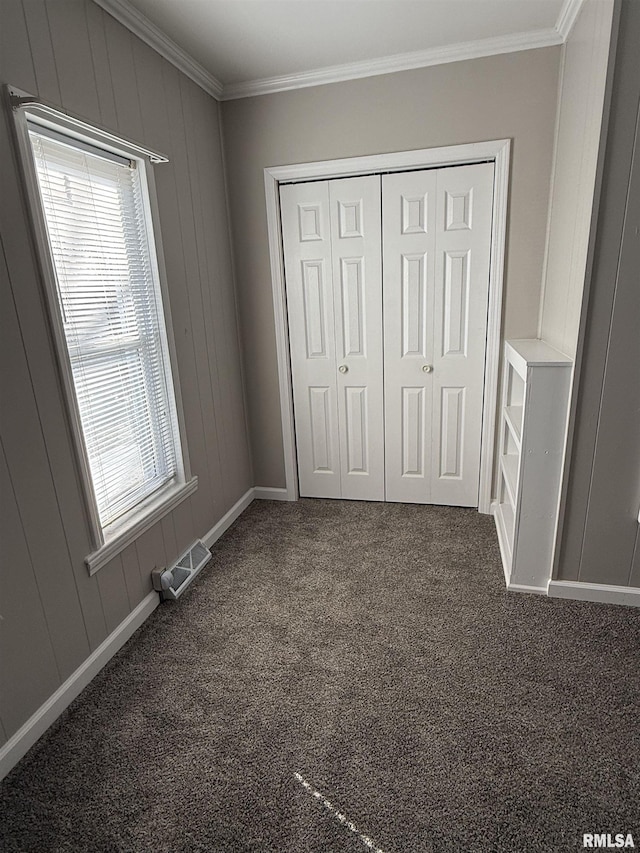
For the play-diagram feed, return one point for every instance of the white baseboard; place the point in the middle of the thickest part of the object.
(19, 743)
(263, 493)
(602, 592)
(522, 587)
(228, 518)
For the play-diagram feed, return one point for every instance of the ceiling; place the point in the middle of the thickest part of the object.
(241, 42)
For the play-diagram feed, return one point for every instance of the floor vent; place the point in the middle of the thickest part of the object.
(172, 582)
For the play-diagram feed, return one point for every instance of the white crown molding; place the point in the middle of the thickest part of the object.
(391, 64)
(567, 17)
(142, 27)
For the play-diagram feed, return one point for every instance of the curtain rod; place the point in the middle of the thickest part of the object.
(20, 100)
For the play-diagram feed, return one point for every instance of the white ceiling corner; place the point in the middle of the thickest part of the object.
(131, 17)
(567, 17)
(141, 26)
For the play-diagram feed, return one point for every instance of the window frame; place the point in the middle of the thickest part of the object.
(110, 541)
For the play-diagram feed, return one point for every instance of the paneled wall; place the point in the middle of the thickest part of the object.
(513, 95)
(53, 614)
(582, 91)
(600, 536)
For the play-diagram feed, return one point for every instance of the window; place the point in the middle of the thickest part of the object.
(106, 301)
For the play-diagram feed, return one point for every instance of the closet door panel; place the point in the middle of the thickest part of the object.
(409, 214)
(387, 292)
(463, 243)
(306, 233)
(357, 293)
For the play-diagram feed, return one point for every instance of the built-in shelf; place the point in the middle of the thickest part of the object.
(535, 394)
(508, 519)
(513, 418)
(509, 465)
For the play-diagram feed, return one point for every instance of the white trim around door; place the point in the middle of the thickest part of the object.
(497, 151)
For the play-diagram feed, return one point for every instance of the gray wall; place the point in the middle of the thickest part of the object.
(53, 614)
(600, 542)
(582, 92)
(513, 95)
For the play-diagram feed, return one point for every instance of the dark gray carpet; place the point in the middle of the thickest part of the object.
(371, 649)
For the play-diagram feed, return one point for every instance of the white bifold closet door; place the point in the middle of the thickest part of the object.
(436, 254)
(387, 289)
(332, 247)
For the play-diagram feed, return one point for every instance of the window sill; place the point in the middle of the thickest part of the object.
(166, 501)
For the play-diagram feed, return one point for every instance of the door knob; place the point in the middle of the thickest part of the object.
(343, 368)
(427, 368)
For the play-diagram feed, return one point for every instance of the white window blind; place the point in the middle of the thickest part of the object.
(112, 316)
